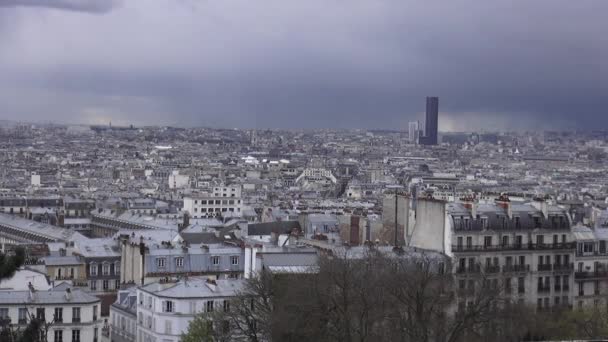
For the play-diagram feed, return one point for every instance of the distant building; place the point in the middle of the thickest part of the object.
(431, 123)
(177, 181)
(413, 131)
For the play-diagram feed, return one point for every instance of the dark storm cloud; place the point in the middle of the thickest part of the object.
(92, 6)
(494, 65)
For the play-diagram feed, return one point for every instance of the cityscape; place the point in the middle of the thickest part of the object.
(185, 171)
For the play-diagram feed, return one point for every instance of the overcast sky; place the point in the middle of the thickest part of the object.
(316, 63)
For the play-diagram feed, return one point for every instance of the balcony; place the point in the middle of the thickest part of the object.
(491, 269)
(516, 268)
(563, 267)
(510, 247)
(545, 267)
(591, 275)
(470, 269)
(557, 288)
(544, 289)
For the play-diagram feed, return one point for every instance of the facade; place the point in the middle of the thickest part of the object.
(527, 248)
(164, 310)
(145, 262)
(212, 206)
(74, 313)
(123, 316)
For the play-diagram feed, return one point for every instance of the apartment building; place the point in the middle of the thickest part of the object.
(164, 310)
(527, 248)
(123, 316)
(214, 205)
(74, 313)
(591, 266)
(147, 261)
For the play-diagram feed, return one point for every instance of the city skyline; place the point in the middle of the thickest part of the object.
(217, 64)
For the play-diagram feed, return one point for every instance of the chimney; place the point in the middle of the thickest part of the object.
(186, 222)
(541, 205)
(32, 295)
(61, 219)
(503, 201)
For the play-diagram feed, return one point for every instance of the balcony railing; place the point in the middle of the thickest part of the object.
(545, 267)
(491, 269)
(470, 269)
(557, 288)
(516, 268)
(525, 246)
(563, 267)
(544, 289)
(591, 274)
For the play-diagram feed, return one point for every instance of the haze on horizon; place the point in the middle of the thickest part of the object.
(498, 65)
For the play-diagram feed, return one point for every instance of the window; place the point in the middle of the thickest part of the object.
(75, 335)
(508, 285)
(94, 312)
(226, 305)
(105, 285)
(459, 242)
(168, 327)
(487, 241)
(93, 269)
(555, 240)
(518, 240)
(192, 307)
(76, 317)
(179, 262)
(505, 241)
(3, 313)
(93, 285)
(40, 313)
(117, 268)
(168, 306)
(58, 336)
(540, 239)
(160, 262)
(517, 222)
(58, 315)
(521, 287)
(215, 260)
(105, 270)
(234, 260)
(209, 307)
(469, 241)
(22, 315)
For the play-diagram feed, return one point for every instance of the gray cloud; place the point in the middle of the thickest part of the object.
(316, 63)
(91, 6)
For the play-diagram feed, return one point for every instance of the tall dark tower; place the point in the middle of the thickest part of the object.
(432, 121)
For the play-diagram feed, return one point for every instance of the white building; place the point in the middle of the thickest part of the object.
(164, 310)
(76, 313)
(210, 206)
(177, 181)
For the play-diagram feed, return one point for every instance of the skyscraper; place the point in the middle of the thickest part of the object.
(432, 121)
